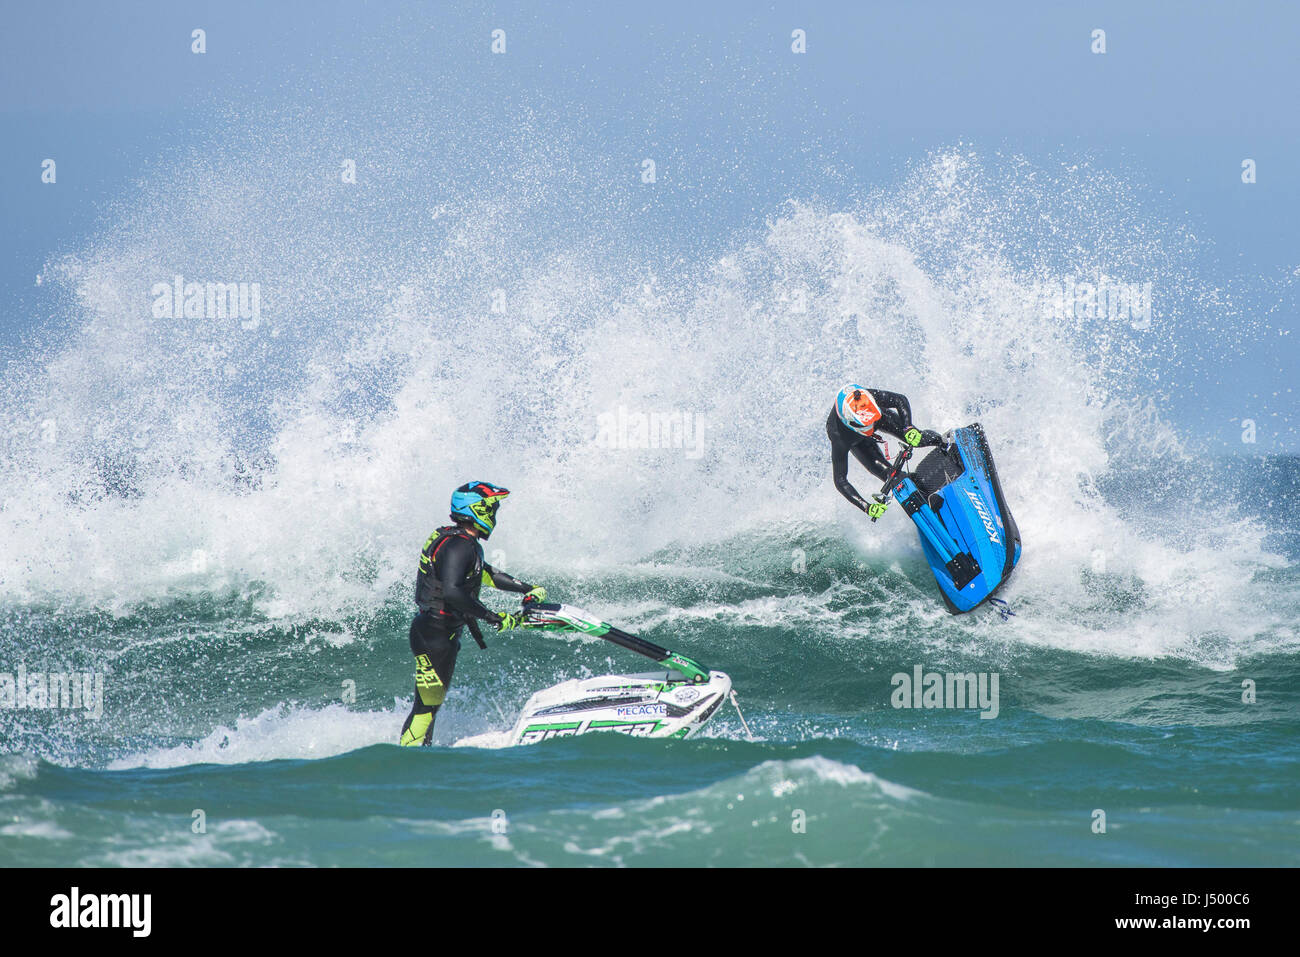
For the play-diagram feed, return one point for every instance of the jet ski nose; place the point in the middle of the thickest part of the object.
(720, 681)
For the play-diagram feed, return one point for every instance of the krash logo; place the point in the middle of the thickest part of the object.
(985, 517)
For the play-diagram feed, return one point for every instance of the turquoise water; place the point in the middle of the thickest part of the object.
(212, 707)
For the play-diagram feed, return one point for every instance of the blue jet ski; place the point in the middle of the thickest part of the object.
(967, 532)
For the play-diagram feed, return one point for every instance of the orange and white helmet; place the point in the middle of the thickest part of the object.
(857, 409)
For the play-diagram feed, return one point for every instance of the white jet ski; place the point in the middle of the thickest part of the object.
(675, 701)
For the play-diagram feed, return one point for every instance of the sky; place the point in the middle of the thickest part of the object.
(1182, 95)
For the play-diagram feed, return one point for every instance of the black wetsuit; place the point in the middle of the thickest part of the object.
(447, 585)
(895, 420)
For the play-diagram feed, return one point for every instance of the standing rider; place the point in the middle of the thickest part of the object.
(451, 573)
(853, 426)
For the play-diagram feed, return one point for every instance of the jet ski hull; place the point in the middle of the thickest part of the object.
(967, 532)
(657, 704)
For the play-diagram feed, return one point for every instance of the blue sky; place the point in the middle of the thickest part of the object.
(1182, 95)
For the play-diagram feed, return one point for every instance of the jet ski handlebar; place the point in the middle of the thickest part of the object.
(900, 460)
(553, 617)
(896, 470)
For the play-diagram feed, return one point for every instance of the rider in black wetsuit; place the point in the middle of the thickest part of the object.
(859, 414)
(451, 573)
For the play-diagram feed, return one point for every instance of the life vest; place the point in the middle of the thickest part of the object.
(428, 589)
(429, 554)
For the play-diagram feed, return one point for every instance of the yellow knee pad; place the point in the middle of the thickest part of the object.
(414, 735)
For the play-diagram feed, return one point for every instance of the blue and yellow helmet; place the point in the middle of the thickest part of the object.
(478, 502)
